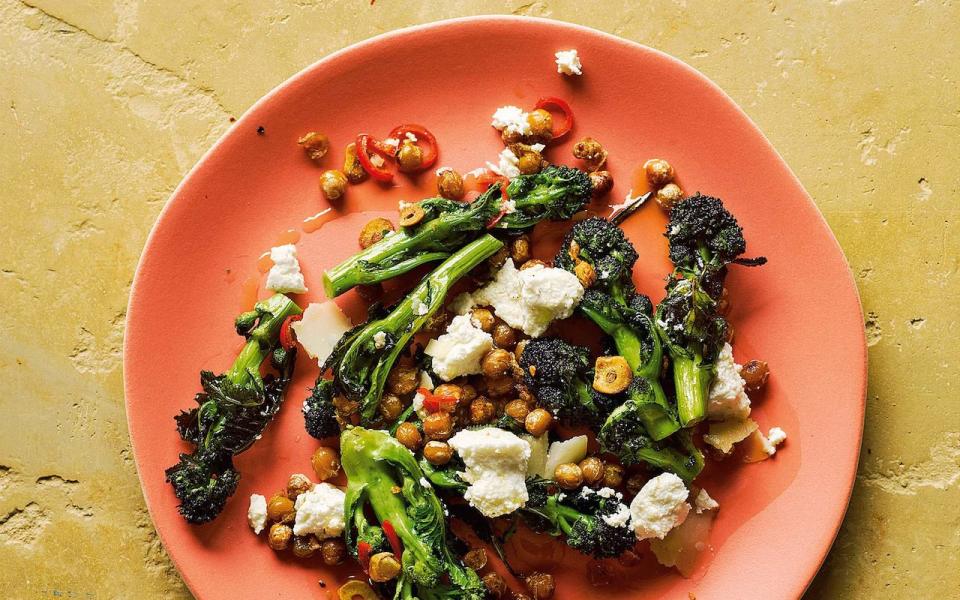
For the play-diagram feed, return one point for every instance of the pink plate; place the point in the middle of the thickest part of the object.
(800, 312)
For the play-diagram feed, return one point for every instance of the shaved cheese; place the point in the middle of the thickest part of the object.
(725, 434)
(568, 451)
(322, 326)
(537, 465)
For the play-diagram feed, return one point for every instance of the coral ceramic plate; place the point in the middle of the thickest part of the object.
(801, 312)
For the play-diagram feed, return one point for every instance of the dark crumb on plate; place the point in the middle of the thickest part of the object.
(322, 583)
(261, 130)
(232, 119)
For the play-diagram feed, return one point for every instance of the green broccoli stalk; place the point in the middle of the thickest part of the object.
(231, 413)
(376, 466)
(625, 433)
(363, 357)
(614, 305)
(556, 193)
(704, 238)
(593, 523)
(560, 375)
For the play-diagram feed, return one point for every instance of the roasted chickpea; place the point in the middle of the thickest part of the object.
(437, 453)
(411, 214)
(520, 249)
(325, 462)
(352, 168)
(304, 546)
(504, 336)
(450, 390)
(315, 145)
(601, 182)
(408, 435)
(497, 362)
(591, 152)
(538, 421)
(481, 411)
(529, 162)
(384, 566)
(518, 409)
(391, 406)
(540, 585)
(668, 196)
(402, 380)
(568, 476)
(333, 551)
(659, 172)
(526, 395)
(533, 262)
(374, 231)
(495, 585)
(409, 157)
(612, 475)
(586, 274)
(499, 257)
(634, 484)
(298, 484)
(541, 126)
(280, 509)
(500, 386)
(437, 426)
(449, 184)
(612, 374)
(482, 319)
(518, 349)
(592, 469)
(754, 374)
(333, 184)
(280, 536)
(475, 559)
(468, 392)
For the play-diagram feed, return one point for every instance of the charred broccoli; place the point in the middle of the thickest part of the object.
(319, 415)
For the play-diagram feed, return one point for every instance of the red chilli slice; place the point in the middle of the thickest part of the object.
(367, 145)
(425, 139)
(287, 338)
(392, 537)
(559, 105)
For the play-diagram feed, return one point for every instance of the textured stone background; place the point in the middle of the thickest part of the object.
(105, 104)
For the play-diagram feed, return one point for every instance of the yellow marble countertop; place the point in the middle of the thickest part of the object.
(107, 103)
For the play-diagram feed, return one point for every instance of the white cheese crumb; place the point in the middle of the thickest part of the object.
(257, 513)
(285, 275)
(410, 136)
(380, 340)
(496, 462)
(619, 518)
(509, 206)
(424, 482)
(461, 304)
(537, 147)
(508, 165)
(568, 63)
(660, 506)
(606, 492)
(418, 399)
(403, 204)
(442, 170)
(728, 399)
(458, 351)
(392, 142)
(419, 308)
(511, 119)
(704, 502)
(777, 436)
(320, 512)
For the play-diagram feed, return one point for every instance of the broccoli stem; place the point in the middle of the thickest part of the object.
(692, 380)
(262, 339)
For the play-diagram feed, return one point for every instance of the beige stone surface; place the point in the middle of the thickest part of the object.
(105, 104)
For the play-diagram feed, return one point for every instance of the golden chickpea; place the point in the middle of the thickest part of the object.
(518, 409)
(408, 435)
(520, 249)
(526, 395)
(659, 172)
(384, 566)
(612, 475)
(495, 585)
(280, 536)
(449, 184)
(540, 585)
(482, 319)
(475, 559)
(325, 462)
(529, 162)
(437, 426)
(591, 152)
(304, 546)
(500, 386)
(374, 231)
(333, 184)
(511, 136)
(635, 484)
(409, 157)
(449, 390)
(585, 273)
(280, 509)
(315, 145)
(668, 196)
(481, 411)
(533, 262)
(504, 336)
(298, 484)
(343, 406)
(468, 391)
(333, 551)
(568, 476)
(352, 168)
(541, 126)
(601, 182)
(499, 257)
(497, 362)
(592, 469)
(402, 380)
(537, 422)
(437, 453)
(391, 406)
(755, 374)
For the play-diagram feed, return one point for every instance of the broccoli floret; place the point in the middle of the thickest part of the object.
(594, 524)
(560, 375)
(231, 413)
(360, 365)
(606, 248)
(447, 225)
(319, 414)
(377, 466)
